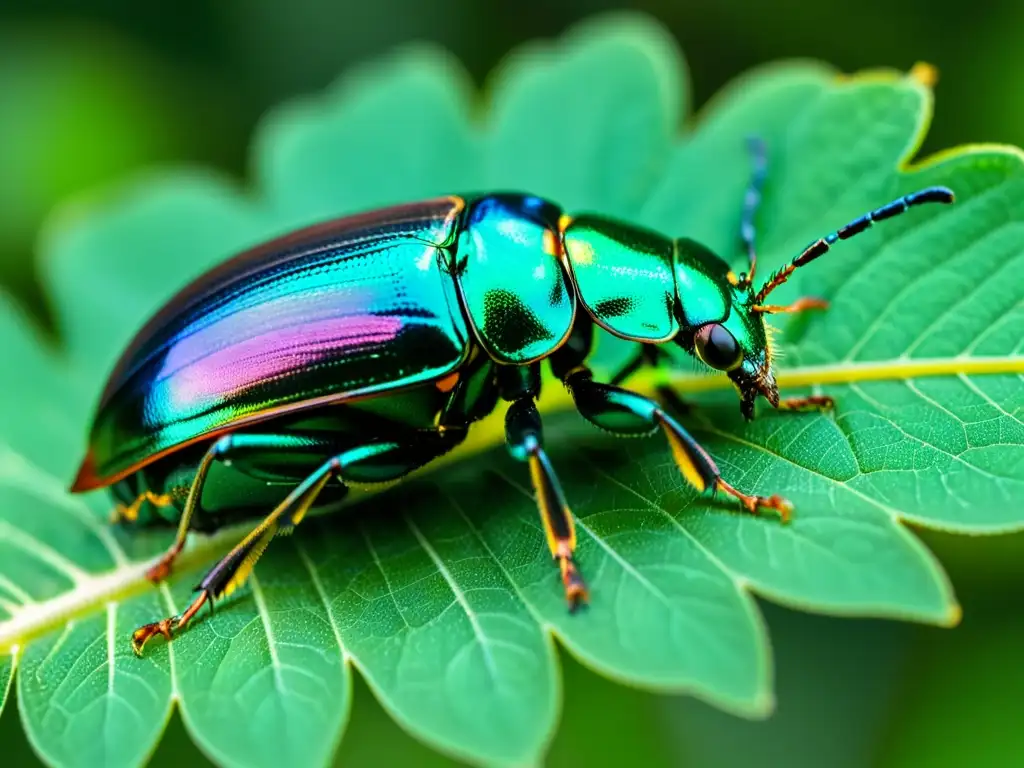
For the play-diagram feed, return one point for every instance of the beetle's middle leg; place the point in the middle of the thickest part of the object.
(623, 412)
(648, 356)
(129, 513)
(523, 434)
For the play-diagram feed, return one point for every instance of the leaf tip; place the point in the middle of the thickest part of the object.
(761, 707)
(954, 613)
(924, 73)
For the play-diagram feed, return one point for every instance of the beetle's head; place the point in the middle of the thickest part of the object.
(721, 315)
(720, 326)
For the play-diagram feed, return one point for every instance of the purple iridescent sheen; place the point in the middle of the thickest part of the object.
(341, 311)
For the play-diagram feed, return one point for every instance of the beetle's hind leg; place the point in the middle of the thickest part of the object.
(628, 413)
(223, 449)
(372, 463)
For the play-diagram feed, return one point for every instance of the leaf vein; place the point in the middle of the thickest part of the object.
(460, 597)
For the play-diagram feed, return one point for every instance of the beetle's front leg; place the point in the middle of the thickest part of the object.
(628, 413)
(812, 402)
(649, 355)
(800, 305)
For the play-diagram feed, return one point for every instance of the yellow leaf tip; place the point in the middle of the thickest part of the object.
(953, 615)
(924, 73)
(763, 706)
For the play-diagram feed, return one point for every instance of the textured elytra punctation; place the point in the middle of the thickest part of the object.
(517, 296)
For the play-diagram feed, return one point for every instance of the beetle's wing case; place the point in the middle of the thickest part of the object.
(339, 311)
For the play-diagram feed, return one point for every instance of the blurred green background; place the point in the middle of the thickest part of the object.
(94, 90)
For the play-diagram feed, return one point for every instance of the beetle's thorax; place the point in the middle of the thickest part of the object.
(643, 286)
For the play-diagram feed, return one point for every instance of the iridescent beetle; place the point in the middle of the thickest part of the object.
(356, 351)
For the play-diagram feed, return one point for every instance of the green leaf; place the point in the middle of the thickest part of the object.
(446, 606)
(6, 675)
(601, 148)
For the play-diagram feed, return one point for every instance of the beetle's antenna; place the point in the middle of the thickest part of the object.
(822, 245)
(751, 202)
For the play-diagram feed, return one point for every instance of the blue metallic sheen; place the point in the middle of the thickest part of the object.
(336, 312)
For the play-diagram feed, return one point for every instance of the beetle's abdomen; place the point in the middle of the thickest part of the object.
(352, 309)
(514, 289)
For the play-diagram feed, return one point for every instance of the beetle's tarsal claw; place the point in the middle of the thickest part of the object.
(576, 592)
(167, 627)
(147, 632)
(754, 504)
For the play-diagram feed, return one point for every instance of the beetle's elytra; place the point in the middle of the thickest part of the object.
(358, 350)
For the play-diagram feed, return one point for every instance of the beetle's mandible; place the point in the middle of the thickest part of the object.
(356, 351)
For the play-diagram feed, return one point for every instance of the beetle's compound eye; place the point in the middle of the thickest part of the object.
(717, 347)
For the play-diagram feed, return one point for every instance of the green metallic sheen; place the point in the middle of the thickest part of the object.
(625, 277)
(515, 291)
(705, 294)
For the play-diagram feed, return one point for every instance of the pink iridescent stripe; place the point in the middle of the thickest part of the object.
(230, 371)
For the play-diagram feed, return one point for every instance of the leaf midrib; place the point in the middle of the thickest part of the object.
(129, 579)
(92, 591)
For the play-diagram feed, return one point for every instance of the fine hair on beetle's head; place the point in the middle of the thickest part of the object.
(753, 374)
(720, 325)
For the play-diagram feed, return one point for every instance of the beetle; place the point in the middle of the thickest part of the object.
(355, 351)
